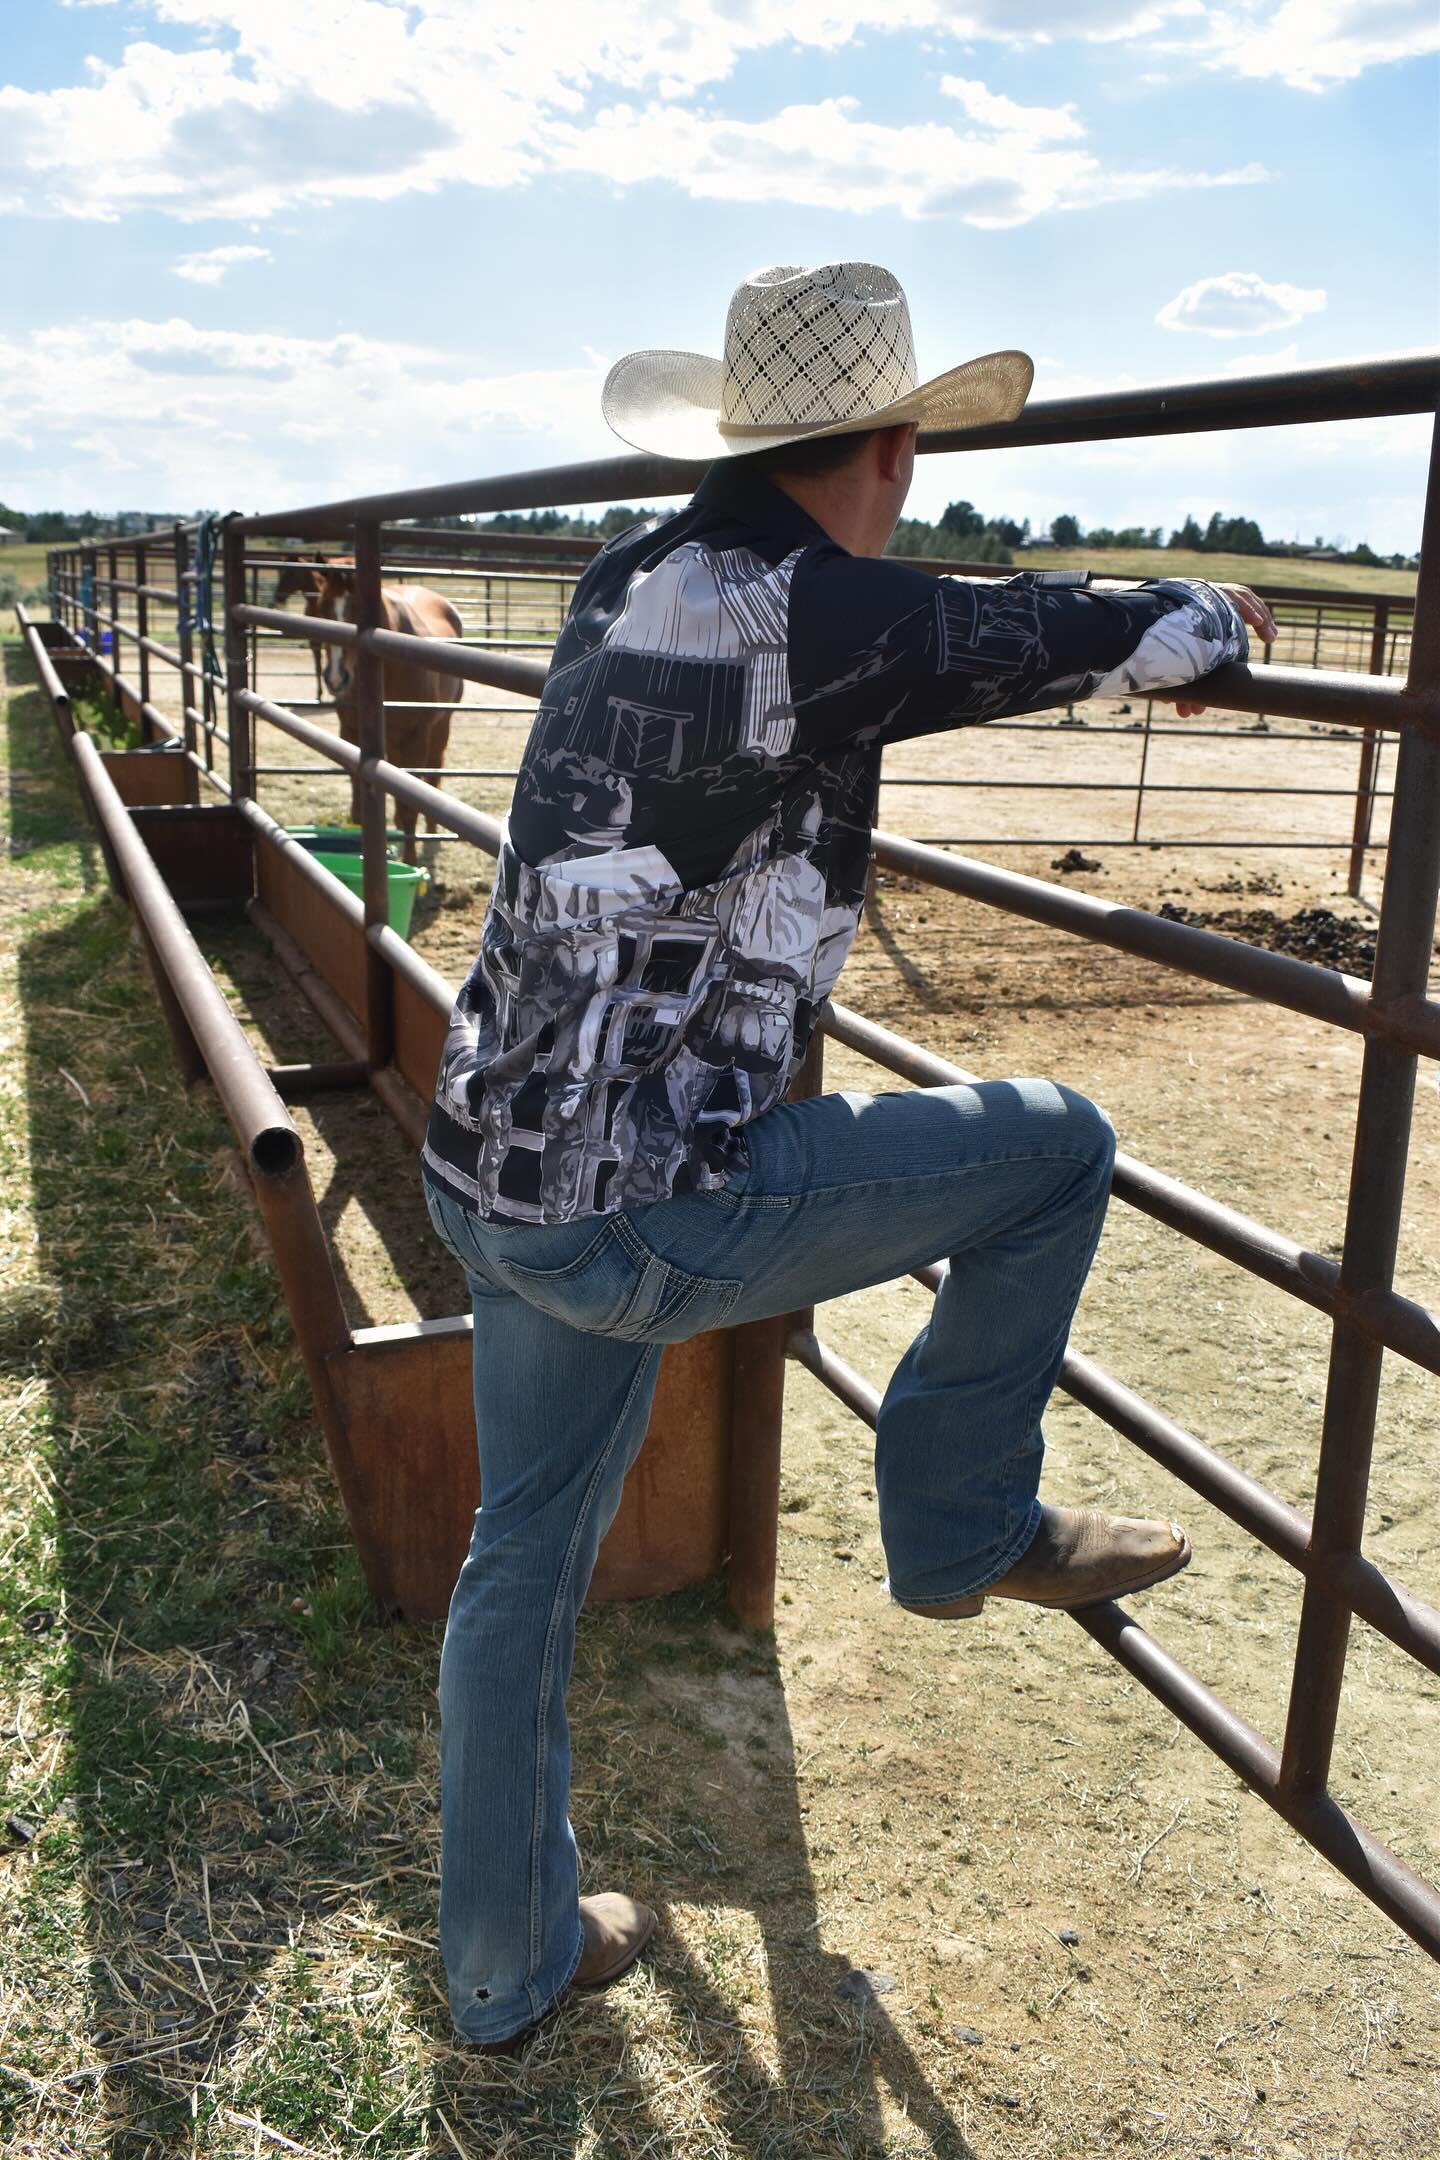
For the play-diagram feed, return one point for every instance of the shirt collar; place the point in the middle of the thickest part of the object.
(752, 498)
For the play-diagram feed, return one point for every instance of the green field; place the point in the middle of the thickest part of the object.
(24, 564)
(1256, 570)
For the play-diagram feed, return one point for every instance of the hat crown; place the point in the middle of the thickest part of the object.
(806, 348)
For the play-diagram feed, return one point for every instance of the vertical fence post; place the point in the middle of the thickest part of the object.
(237, 720)
(1377, 1192)
(142, 625)
(112, 558)
(1144, 762)
(89, 615)
(1366, 779)
(368, 690)
(185, 638)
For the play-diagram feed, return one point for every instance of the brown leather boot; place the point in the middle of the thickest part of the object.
(1079, 1557)
(616, 1930)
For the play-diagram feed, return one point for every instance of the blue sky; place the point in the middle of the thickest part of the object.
(265, 251)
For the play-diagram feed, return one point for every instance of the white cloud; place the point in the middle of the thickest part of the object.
(253, 106)
(208, 266)
(166, 413)
(1313, 44)
(1002, 115)
(826, 156)
(1239, 303)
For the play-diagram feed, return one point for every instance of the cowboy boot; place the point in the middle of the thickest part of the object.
(1079, 1557)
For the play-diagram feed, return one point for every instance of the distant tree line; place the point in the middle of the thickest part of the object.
(961, 534)
(964, 534)
(53, 527)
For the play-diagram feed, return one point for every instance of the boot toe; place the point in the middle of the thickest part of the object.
(616, 1929)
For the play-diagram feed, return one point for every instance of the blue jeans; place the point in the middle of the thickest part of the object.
(1007, 1180)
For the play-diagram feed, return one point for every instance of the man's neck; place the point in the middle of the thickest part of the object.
(850, 514)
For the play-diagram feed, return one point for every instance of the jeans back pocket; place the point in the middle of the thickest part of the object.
(614, 1285)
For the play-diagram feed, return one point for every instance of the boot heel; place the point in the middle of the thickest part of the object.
(960, 1608)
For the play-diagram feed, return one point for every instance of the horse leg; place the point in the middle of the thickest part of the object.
(439, 742)
(350, 732)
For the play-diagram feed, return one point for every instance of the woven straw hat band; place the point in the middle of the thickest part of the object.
(814, 348)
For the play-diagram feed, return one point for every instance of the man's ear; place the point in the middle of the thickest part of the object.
(893, 447)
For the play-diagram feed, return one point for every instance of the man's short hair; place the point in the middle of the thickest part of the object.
(808, 460)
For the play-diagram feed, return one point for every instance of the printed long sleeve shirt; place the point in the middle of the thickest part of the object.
(686, 855)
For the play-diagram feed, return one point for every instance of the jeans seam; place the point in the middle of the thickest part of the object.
(547, 1672)
(851, 1188)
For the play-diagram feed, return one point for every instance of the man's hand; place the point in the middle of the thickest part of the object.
(1254, 614)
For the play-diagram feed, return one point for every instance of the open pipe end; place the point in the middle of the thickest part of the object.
(275, 1151)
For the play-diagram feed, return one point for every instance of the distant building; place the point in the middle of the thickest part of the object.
(9, 537)
(1038, 540)
(1323, 555)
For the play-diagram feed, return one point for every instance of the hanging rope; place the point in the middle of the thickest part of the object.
(202, 618)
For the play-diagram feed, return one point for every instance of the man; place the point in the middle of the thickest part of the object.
(610, 1156)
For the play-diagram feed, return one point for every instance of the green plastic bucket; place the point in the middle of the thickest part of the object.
(337, 847)
(404, 881)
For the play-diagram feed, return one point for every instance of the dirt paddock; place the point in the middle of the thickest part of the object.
(1084, 1936)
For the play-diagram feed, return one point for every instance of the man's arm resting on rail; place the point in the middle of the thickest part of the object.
(880, 652)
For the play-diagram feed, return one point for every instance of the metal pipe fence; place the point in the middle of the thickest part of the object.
(494, 579)
(1394, 1014)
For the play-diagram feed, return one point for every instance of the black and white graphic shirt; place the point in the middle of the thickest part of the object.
(687, 848)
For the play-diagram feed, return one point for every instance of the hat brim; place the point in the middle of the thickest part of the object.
(669, 404)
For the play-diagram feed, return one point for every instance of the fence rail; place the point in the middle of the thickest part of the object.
(1394, 1013)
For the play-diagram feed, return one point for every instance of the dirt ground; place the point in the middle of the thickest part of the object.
(1088, 1937)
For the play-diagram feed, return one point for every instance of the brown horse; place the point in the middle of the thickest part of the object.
(418, 699)
(307, 578)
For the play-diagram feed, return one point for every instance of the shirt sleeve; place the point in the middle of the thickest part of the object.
(880, 652)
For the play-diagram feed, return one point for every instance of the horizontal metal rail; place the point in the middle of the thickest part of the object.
(1156, 843)
(1322, 993)
(261, 1121)
(149, 592)
(1411, 1903)
(1349, 1847)
(1126, 787)
(56, 694)
(457, 817)
(1357, 390)
(1334, 697)
(1398, 1322)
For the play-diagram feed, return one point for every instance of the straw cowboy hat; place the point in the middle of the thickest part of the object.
(807, 352)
